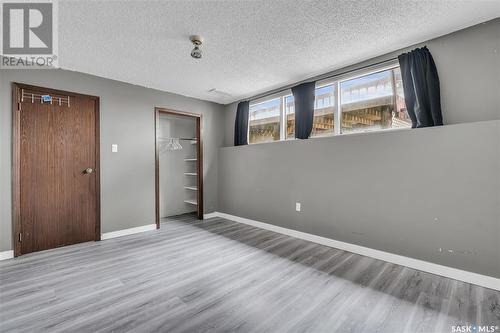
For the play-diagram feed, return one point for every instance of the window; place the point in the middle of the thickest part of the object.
(370, 102)
(264, 121)
(373, 102)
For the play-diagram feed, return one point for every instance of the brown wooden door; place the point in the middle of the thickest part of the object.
(58, 197)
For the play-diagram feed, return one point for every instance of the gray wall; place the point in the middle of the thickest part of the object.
(408, 192)
(127, 118)
(172, 166)
(468, 62)
(385, 190)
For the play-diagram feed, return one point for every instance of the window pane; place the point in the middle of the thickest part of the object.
(373, 102)
(324, 110)
(264, 121)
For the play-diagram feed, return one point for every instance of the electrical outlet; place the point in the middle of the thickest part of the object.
(297, 206)
(114, 148)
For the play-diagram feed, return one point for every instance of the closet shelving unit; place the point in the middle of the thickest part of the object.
(192, 141)
(189, 163)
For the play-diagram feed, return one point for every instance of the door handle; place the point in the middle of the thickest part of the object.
(88, 171)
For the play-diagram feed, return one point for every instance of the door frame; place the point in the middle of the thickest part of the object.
(199, 156)
(16, 158)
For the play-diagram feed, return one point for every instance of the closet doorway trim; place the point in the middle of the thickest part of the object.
(199, 156)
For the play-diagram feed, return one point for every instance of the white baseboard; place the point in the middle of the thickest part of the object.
(107, 235)
(210, 215)
(6, 255)
(449, 272)
(130, 231)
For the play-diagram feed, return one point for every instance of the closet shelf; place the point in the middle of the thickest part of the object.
(191, 202)
(190, 159)
(190, 173)
(194, 188)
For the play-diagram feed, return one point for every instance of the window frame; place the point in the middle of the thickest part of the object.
(336, 82)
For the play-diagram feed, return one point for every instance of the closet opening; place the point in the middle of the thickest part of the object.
(179, 164)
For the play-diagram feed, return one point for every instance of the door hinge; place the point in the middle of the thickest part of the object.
(20, 238)
(19, 106)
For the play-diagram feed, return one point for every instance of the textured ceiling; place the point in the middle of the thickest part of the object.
(250, 46)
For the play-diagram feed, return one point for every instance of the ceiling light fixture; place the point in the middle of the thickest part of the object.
(197, 41)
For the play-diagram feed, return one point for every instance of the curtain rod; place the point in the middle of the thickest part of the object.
(317, 78)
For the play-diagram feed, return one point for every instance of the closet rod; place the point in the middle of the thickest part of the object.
(190, 139)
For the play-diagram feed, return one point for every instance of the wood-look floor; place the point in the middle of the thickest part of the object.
(216, 275)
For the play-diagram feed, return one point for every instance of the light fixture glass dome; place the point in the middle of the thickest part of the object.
(196, 53)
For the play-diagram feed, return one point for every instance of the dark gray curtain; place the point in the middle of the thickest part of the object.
(303, 96)
(241, 124)
(421, 88)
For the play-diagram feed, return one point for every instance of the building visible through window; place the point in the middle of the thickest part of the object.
(264, 121)
(373, 102)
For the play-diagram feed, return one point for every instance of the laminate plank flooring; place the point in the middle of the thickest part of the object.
(220, 276)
